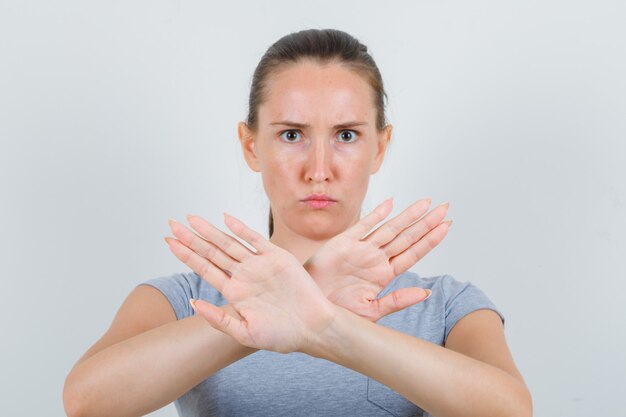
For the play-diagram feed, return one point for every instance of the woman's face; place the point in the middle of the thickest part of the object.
(316, 145)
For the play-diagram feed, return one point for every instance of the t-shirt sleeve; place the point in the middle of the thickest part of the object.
(178, 289)
(463, 298)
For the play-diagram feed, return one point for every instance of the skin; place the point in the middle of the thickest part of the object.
(318, 161)
(143, 359)
(281, 309)
(296, 161)
(349, 270)
(284, 306)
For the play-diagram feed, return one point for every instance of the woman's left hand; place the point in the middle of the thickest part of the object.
(352, 268)
(281, 307)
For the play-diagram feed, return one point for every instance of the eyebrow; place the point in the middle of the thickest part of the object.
(304, 125)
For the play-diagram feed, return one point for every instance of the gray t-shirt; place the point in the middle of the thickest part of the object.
(295, 384)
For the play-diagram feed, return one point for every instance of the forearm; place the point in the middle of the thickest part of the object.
(148, 371)
(443, 382)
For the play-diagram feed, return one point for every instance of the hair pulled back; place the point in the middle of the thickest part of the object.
(323, 46)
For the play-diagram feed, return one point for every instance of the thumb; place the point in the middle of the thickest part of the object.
(218, 319)
(399, 300)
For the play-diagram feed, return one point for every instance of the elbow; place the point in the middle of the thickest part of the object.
(72, 398)
(70, 403)
(523, 403)
(528, 404)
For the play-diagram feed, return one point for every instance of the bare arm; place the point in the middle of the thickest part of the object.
(473, 376)
(144, 361)
(284, 311)
(148, 359)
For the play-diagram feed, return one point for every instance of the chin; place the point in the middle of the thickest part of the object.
(320, 228)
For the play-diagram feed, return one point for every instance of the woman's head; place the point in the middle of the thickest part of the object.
(316, 125)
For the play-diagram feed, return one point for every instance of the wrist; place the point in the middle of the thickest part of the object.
(332, 342)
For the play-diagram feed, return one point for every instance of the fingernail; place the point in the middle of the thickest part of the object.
(449, 223)
(445, 204)
(232, 219)
(428, 295)
(193, 304)
(384, 204)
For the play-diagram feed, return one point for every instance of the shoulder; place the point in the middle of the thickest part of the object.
(179, 287)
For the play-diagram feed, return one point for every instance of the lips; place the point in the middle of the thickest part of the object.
(320, 197)
(319, 201)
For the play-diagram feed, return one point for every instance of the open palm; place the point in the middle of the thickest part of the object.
(279, 306)
(352, 268)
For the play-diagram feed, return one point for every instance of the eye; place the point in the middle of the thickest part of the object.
(347, 136)
(290, 136)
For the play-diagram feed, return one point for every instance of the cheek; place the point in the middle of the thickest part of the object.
(355, 164)
(355, 176)
(356, 182)
(278, 175)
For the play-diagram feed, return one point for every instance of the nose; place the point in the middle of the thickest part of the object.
(319, 162)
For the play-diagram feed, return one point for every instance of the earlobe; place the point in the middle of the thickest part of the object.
(246, 139)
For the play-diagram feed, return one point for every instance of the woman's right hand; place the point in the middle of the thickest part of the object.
(281, 308)
(352, 268)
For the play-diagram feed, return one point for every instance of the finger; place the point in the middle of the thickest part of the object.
(419, 249)
(201, 266)
(359, 230)
(221, 321)
(223, 241)
(253, 238)
(388, 231)
(416, 231)
(200, 246)
(399, 300)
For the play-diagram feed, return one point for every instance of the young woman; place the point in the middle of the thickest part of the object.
(323, 318)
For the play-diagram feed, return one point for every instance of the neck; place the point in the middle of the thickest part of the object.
(299, 246)
(302, 247)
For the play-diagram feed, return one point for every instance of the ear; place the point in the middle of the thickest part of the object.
(383, 140)
(246, 138)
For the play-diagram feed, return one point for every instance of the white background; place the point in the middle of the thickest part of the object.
(116, 115)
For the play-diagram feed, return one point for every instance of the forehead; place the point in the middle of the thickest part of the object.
(308, 92)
